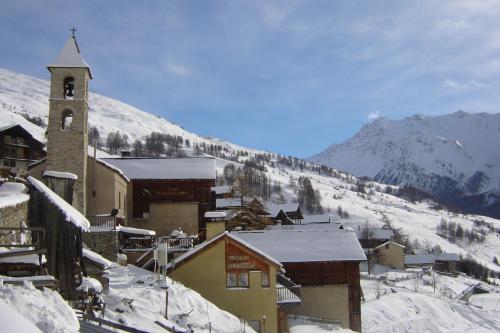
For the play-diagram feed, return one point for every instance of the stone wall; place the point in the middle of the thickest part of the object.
(103, 242)
(13, 216)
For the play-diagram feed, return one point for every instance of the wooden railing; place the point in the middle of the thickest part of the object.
(105, 222)
(179, 244)
(287, 294)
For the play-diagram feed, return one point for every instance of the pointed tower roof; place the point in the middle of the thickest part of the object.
(70, 57)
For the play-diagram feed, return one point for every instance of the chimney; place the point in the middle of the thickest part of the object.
(216, 224)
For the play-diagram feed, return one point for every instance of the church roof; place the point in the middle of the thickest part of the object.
(70, 56)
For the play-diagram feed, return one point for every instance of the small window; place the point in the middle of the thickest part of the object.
(232, 279)
(119, 200)
(69, 87)
(6, 163)
(265, 279)
(67, 120)
(12, 163)
(243, 279)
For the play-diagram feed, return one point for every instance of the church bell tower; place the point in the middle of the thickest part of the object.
(67, 139)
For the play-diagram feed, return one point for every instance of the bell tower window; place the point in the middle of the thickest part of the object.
(67, 120)
(69, 87)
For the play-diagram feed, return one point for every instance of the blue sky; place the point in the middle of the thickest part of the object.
(284, 76)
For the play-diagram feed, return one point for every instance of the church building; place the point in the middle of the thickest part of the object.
(158, 194)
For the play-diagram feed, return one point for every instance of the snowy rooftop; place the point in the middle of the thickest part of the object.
(419, 259)
(318, 218)
(228, 202)
(72, 215)
(447, 257)
(222, 189)
(164, 168)
(70, 56)
(306, 246)
(215, 215)
(60, 174)
(310, 226)
(234, 237)
(289, 207)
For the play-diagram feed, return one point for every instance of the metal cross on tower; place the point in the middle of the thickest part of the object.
(73, 31)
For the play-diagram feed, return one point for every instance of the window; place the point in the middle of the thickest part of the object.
(265, 279)
(12, 163)
(67, 120)
(6, 163)
(234, 279)
(69, 87)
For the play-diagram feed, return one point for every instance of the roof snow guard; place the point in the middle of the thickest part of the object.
(70, 57)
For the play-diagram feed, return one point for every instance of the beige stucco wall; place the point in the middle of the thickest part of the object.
(206, 274)
(392, 257)
(111, 190)
(329, 301)
(165, 217)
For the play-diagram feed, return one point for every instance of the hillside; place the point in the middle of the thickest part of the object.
(454, 157)
(20, 94)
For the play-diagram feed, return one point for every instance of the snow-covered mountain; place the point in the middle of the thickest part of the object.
(455, 157)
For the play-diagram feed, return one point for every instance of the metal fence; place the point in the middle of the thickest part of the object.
(104, 222)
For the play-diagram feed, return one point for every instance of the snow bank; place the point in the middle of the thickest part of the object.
(137, 300)
(90, 283)
(97, 258)
(12, 194)
(12, 321)
(72, 215)
(46, 309)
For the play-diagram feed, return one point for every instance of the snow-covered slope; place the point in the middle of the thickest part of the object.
(449, 156)
(22, 94)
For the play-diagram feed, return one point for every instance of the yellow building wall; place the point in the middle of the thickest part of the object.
(391, 257)
(106, 191)
(329, 301)
(206, 273)
(165, 217)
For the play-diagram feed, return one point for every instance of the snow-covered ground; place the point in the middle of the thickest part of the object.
(137, 299)
(46, 310)
(423, 302)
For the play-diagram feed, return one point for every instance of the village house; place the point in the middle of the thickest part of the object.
(18, 148)
(390, 254)
(289, 213)
(325, 263)
(424, 260)
(371, 237)
(446, 262)
(234, 275)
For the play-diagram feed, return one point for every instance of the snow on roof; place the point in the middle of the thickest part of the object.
(4, 128)
(165, 168)
(419, 259)
(222, 189)
(447, 257)
(390, 242)
(310, 226)
(215, 239)
(136, 231)
(12, 194)
(215, 215)
(376, 233)
(306, 246)
(228, 202)
(96, 258)
(70, 56)
(274, 209)
(60, 174)
(72, 215)
(324, 218)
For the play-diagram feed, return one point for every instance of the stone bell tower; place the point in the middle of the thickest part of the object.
(67, 140)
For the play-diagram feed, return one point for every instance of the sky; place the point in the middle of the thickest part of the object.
(285, 76)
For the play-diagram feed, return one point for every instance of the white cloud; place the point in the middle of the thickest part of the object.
(467, 85)
(374, 115)
(178, 70)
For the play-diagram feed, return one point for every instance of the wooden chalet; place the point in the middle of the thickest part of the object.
(325, 263)
(446, 262)
(289, 213)
(371, 237)
(63, 226)
(18, 148)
